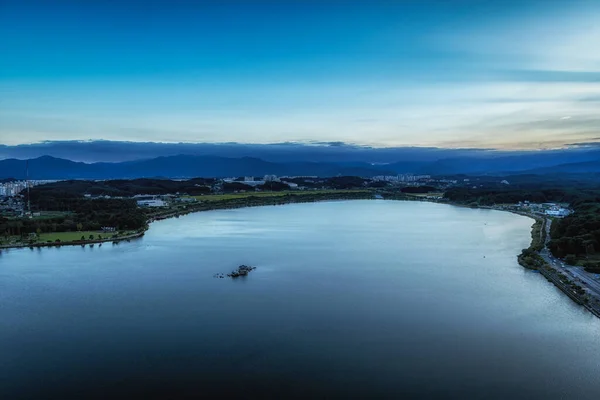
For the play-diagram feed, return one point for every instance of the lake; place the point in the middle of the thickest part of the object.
(373, 298)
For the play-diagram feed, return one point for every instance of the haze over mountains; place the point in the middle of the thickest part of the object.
(232, 159)
(117, 151)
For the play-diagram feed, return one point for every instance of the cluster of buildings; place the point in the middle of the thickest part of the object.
(152, 202)
(10, 189)
(549, 209)
(442, 181)
(252, 181)
(11, 206)
(414, 180)
(164, 200)
(401, 178)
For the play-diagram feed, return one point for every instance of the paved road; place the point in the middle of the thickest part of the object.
(578, 274)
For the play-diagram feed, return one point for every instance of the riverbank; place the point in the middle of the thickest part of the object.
(76, 242)
(535, 257)
(226, 203)
(258, 201)
(530, 258)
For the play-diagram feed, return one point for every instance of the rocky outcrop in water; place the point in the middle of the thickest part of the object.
(242, 270)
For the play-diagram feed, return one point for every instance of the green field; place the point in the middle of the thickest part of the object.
(71, 236)
(64, 237)
(217, 197)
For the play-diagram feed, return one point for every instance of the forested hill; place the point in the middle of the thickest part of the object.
(124, 187)
(580, 162)
(192, 187)
(577, 236)
(180, 166)
(508, 195)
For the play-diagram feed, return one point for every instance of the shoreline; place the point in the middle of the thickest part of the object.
(560, 280)
(75, 242)
(553, 275)
(208, 206)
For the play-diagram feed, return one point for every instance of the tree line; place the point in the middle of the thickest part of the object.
(80, 214)
(128, 188)
(577, 236)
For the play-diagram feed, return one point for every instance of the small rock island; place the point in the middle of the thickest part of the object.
(242, 270)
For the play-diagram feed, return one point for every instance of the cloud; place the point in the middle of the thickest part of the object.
(595, 142)
(544, 75)
(591, 98)
(567, 124)
(104, 150)
(478, 114)
(560, 40)
(531, 71)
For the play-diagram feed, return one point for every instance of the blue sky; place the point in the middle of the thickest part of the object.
(464, 73)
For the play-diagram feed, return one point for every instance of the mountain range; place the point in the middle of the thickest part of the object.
(180, 166)
(187, 166)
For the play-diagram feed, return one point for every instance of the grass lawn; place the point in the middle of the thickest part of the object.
(64, 237)
(217, 197)
(71, 236)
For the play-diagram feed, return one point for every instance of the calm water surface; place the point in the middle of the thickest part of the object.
(350, 299)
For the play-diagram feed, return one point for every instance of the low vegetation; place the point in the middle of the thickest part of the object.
(529, 257)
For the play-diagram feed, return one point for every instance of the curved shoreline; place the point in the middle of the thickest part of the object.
(75, 242)
(554, 276)
(208, 206)
(249, 202)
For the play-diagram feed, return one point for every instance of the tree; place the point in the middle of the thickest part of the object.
(79, 227)
(99, 237)
(570, 259)
(82, 237)
(91, 237)
(275, 186)
(19, 225)
(418, 189)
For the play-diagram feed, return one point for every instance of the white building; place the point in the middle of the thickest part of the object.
(151, 203)
(271, 178)
(560, 212)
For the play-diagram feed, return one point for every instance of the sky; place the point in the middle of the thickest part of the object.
(452, 74)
